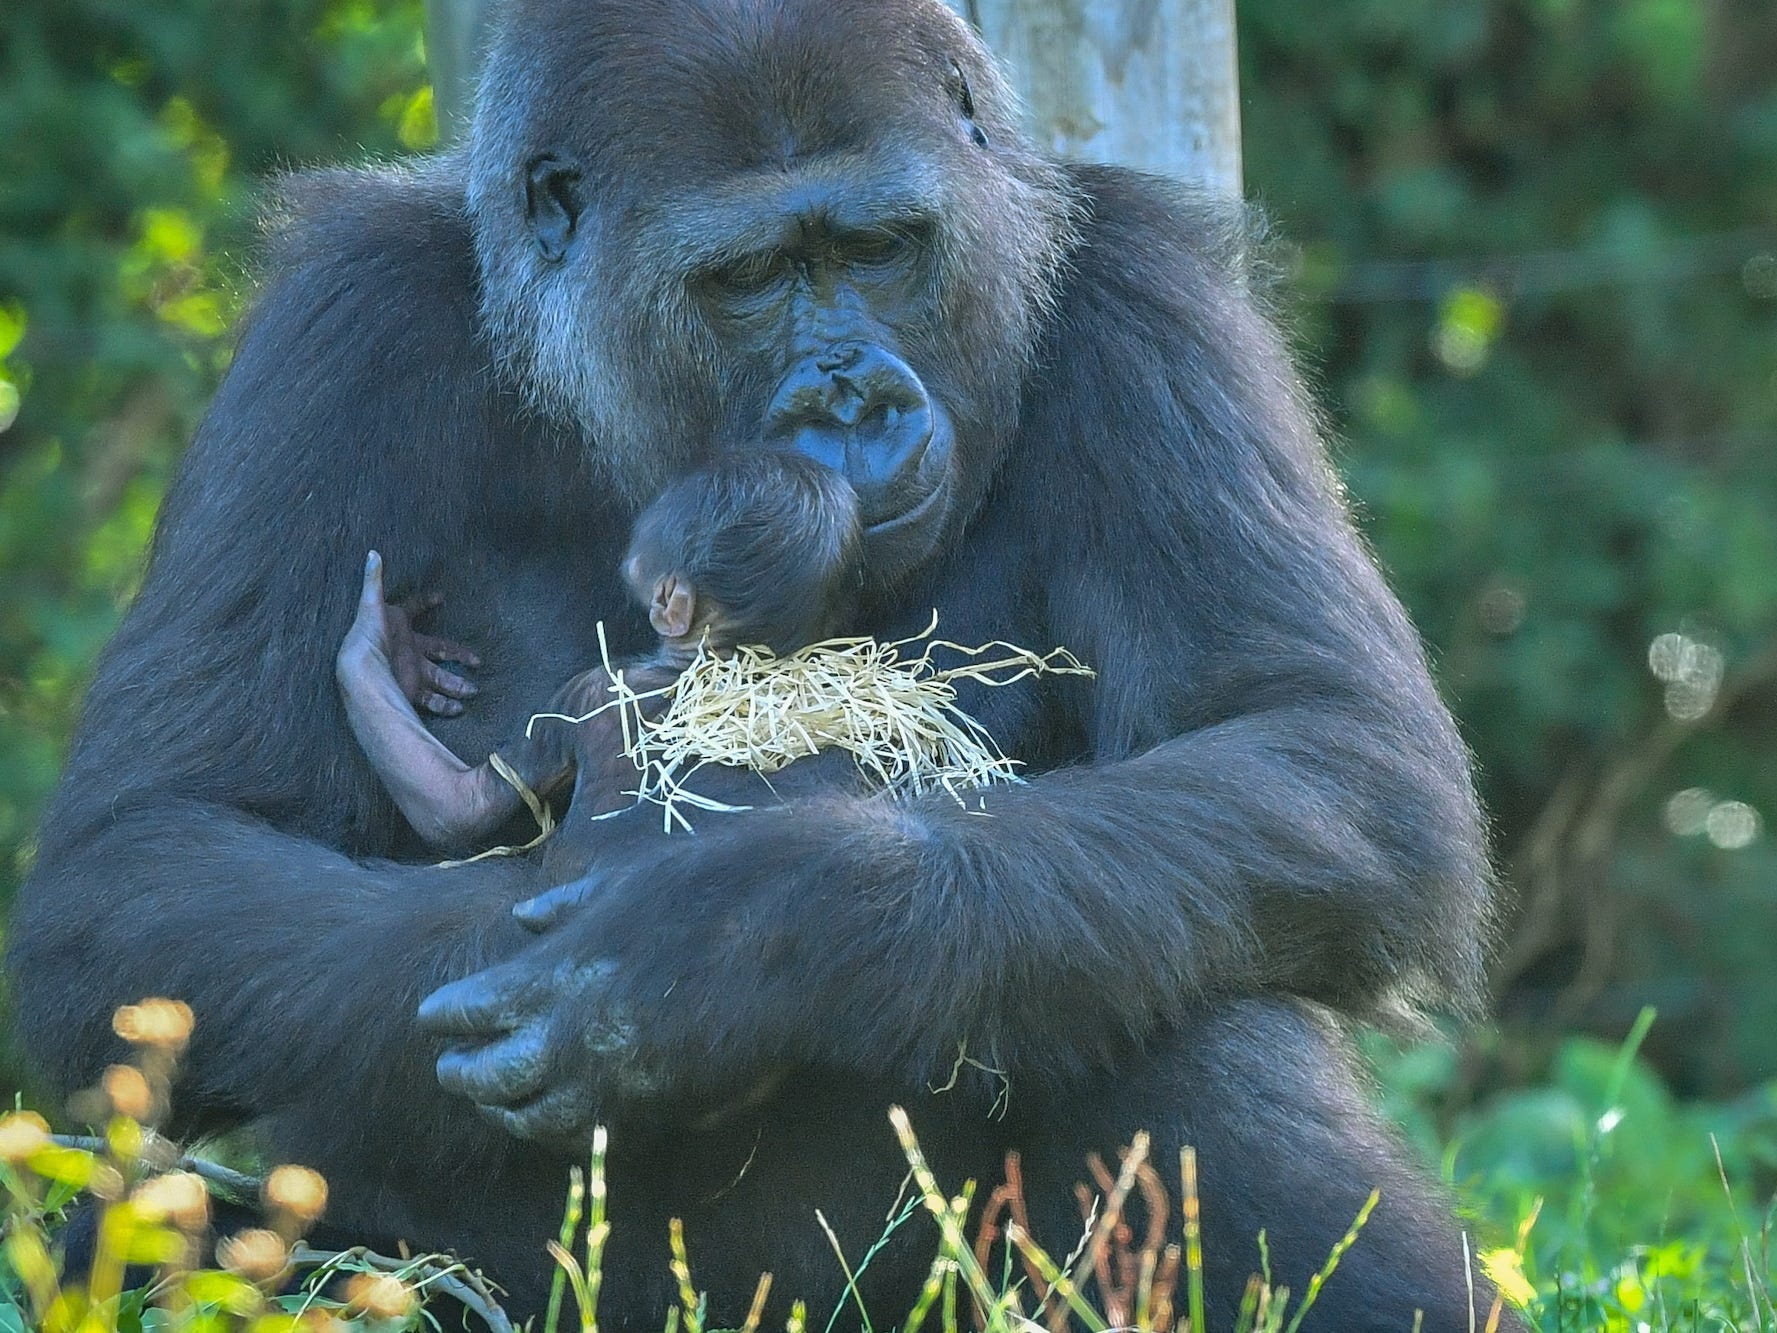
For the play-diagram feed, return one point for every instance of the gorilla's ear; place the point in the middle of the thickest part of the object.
(965, 101)
(552, 205)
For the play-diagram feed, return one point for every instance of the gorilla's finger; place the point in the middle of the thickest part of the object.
(448, 683)
(558, 1115)
(438, 705)
(506, 1073)
(445, 650)
(476, 1006)
(370, 594)
(543, 911)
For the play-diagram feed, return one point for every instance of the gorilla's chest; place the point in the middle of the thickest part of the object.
(978, 599)
(531, 607)
(532, 600)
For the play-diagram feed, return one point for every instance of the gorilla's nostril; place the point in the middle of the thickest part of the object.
(860, 409)
(836, 359)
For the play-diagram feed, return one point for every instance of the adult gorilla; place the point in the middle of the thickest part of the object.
(685, 226)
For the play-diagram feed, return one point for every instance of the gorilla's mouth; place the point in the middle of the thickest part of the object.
(910, 518)
(860, 409)
(922, 508)
(905, 537)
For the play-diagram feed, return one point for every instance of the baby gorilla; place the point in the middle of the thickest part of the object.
(759, 549)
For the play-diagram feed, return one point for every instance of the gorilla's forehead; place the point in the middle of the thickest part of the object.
(715, 85)
(757, 208)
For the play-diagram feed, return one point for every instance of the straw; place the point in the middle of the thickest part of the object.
(892, 709)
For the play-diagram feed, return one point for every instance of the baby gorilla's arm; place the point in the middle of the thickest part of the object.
(580, 734)
(447, 802)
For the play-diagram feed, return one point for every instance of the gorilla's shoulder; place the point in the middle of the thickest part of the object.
(1144, 234)
(367, 296)
(1163, 364)
(409, 220)
(363, 329)
(374, 255)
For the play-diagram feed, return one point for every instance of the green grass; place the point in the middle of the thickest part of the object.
(1594, 1198)
(1635, 1209)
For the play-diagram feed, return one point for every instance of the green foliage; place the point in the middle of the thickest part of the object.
(1627, 1205)
(134, 135)
(1540, 274)
(149, 1211)
(155, 1221)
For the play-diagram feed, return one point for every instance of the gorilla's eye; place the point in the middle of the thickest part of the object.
(886, 250)
(750, 275)
(877, 248)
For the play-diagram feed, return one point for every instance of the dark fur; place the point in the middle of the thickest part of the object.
(769, 542)
(1259, 807)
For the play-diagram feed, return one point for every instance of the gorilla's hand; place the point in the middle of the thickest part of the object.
(526, 1033)
(383, 642)
(678, 967)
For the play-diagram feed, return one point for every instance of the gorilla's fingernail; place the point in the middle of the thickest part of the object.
(441, 1008)
(534, 916)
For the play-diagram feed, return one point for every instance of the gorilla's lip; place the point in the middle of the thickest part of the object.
(896, 546)
(909, 517)
(934, 460)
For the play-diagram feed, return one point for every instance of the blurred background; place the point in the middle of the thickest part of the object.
(1529, 254)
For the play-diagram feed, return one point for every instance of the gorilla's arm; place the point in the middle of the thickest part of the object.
(447, 802)
(189, 851)
(1274, 797)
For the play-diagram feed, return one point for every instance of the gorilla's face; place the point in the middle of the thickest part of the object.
(706, 226)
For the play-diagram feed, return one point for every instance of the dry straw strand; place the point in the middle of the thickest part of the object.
(534, 803)
(894, 712)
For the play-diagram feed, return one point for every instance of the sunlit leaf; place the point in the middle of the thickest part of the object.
(419, 121)
(224, 1290)
(69, 1165)
(12, 327)
(1506, 1270)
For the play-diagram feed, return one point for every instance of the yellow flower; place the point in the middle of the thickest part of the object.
(178, 1197)
(129, 1092)
(297, 1191)
(257, 1255)
(165, 1024)
(380, 1295)
(22, 1135)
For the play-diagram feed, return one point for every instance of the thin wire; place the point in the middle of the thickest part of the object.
(1550, 271)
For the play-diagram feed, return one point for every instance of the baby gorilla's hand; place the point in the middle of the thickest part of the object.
(383, 639)
(583, 720)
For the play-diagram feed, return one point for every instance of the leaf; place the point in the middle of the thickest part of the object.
(12, 327)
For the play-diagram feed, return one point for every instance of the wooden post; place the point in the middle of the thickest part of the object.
(455, 33)
(1147, 83)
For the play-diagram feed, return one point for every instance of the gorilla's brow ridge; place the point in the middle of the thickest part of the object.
(760, 210)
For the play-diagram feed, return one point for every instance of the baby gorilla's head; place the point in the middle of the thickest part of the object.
(756, 549)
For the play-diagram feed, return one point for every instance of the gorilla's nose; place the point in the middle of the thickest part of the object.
(863, 412)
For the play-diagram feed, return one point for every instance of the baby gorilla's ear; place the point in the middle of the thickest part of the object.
(673, 607)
